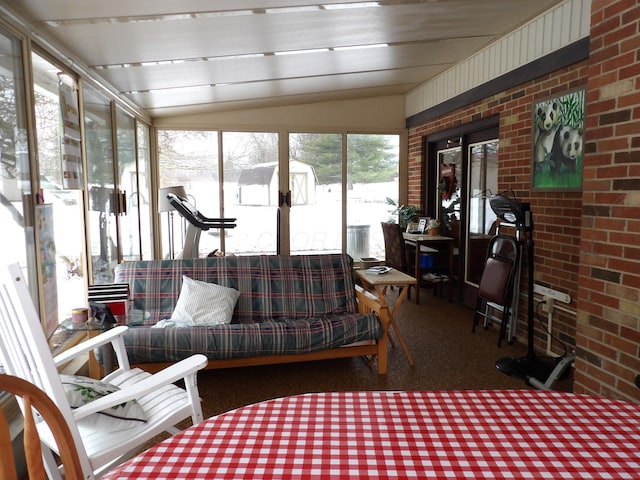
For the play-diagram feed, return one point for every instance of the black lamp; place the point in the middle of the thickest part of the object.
(518, 215)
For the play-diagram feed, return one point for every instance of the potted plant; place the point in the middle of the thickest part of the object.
(433, 227)
(406, 214)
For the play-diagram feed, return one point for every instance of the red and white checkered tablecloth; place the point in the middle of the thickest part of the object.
(508, 434)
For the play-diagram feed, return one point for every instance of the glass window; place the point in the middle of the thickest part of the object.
(321, 198)
(372, 177)
(315, 182)
(60, 220)
(141, 198)
(16, 204)
(318, 186)
(127, 182)
(449, 174)
(251, 191)
(101, 183)
(189, 159)
(483, 182)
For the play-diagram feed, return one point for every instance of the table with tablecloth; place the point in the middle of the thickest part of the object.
(515, 434)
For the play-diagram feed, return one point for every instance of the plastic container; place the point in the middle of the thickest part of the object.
(426, 261)
(79, 315)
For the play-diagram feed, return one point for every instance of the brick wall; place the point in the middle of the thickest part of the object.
(557, 215)
(587, 243)
(608, 332)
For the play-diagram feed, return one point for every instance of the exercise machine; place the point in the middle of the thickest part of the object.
(197, 224)
(518, 215)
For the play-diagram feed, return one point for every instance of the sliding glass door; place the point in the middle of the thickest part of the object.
(128, 218)
(449, 192)
(16, 200)
(461, 175)
(483, 182)
(61, 223)
(295, 193)
(59, 217)
(140, 198)
(337, 181)
(315, 183)
(188, 164)
(101, 184)
(252, 191)
(372, 177)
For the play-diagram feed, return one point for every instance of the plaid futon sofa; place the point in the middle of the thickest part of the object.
(290, 308)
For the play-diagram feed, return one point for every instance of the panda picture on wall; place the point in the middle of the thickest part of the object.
(558, 139)
(545, 131)
(567, 149)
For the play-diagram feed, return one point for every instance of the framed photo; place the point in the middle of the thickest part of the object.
(422, 225)
(558, 142)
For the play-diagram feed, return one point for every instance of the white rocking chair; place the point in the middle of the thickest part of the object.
(25, 353)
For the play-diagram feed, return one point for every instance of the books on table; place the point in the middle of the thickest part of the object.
(378, 270)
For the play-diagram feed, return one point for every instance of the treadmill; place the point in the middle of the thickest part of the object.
(197, 224)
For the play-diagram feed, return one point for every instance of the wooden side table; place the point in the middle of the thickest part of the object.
(433, 241)
(379, 284)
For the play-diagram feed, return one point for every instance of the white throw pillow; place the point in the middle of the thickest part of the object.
(82, 390)
(201, 304)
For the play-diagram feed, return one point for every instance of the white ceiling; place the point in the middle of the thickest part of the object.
(172, 57)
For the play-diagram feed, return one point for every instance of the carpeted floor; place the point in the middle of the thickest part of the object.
(438, 334)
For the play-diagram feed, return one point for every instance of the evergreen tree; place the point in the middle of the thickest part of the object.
(370, 157)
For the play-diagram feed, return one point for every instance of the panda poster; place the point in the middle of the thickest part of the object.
(558, 141)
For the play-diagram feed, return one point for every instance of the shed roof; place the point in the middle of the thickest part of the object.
(261, 175)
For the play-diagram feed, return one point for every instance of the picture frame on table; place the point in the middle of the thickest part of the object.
(558, 142)
(422, 225)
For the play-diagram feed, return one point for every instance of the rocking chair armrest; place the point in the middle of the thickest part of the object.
(184, 369)
(113, 334)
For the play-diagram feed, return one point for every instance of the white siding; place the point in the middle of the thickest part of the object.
(558, 27)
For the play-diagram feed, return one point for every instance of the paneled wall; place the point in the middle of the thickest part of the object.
(378, 114)
(556, 28)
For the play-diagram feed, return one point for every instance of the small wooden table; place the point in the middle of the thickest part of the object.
(379, 284)
(432, 241)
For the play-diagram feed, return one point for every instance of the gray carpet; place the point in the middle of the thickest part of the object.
(438, 334)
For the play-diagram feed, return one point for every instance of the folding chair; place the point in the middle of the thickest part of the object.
(495, 292)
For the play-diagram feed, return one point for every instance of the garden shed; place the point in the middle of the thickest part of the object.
(258, 185)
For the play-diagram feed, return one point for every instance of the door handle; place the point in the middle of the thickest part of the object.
(122, 202)
(285, 198)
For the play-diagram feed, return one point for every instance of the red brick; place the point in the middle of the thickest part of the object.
(629, 71)
(619, 7)
(618, 35)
